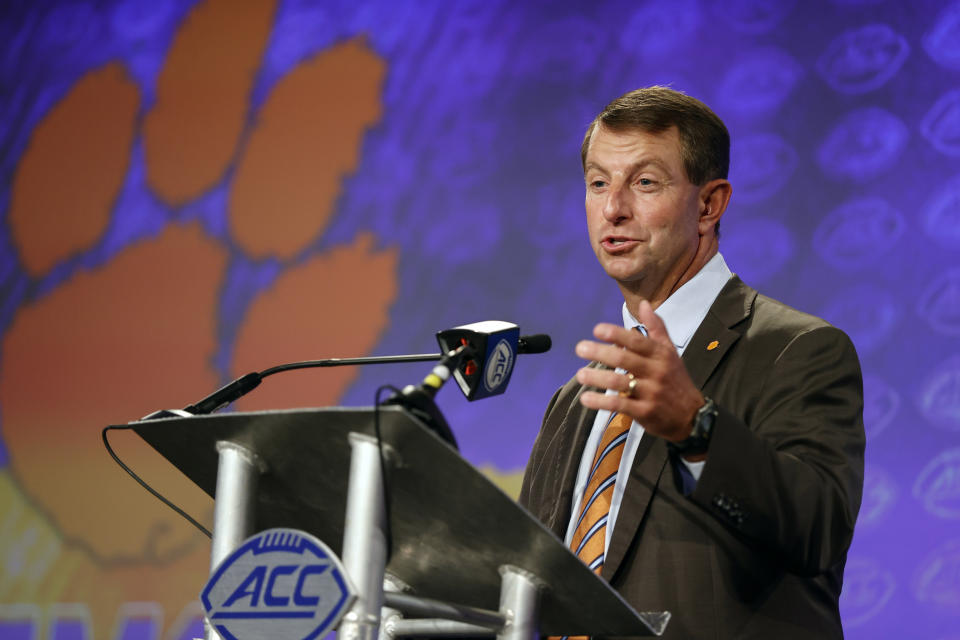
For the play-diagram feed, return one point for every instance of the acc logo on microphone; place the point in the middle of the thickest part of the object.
(280, 583)
(499, 366)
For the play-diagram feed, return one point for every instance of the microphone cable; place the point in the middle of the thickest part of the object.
(143, 483)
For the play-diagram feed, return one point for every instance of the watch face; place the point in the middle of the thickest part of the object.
(699, 438)
(706, 416)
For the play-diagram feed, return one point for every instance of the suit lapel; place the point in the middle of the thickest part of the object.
(648, 465)
(715, 335)
(711, 341)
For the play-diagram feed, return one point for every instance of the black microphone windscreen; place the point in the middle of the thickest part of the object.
(537, 343)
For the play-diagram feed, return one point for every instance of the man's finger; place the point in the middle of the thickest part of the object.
(613, 356)
(610, 402)
(603, 379)
(626, 338)
(656, 330)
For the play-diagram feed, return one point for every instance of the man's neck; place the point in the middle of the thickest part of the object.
(657, 294)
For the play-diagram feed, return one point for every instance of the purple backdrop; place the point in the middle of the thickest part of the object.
(845, 119)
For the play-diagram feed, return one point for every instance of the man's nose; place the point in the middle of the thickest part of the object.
(616, 207)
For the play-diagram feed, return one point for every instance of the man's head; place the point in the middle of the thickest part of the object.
(704, 140)
(655, 164)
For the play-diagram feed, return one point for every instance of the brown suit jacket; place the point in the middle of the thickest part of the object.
(758, 549)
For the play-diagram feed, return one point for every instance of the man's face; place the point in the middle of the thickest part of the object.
(642, 211)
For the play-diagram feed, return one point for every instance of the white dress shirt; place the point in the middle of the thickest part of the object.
(681, 313)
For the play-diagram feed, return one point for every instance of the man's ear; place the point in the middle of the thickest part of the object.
(714, 198)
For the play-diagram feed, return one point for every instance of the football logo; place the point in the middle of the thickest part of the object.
(280, 583)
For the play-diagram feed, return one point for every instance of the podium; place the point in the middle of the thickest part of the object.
(453, 546)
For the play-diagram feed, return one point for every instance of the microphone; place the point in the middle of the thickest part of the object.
(494, 345)
(537, 343)
(226, 394)
(481, 357)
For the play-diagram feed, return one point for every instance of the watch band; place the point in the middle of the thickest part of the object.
(699, 438)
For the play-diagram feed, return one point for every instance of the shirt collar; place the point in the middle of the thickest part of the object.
(686, 308)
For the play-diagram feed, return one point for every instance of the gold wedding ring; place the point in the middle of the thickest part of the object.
(631, 386)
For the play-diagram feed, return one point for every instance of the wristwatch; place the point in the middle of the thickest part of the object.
(699, 438)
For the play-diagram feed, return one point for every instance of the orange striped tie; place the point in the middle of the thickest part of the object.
(588, 540)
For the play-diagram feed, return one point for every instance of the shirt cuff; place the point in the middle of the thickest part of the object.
(690, 474)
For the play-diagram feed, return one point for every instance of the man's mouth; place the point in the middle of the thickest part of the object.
(615, 243)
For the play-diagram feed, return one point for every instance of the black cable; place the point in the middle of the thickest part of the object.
(146, 486)
(388, 533)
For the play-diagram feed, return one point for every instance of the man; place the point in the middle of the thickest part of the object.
(729, 424)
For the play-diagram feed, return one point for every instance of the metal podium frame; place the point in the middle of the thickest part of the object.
(446, 547)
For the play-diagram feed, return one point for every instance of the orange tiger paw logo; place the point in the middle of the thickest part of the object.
(152, 310)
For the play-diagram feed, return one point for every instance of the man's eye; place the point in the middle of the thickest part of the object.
(645, 182)
(598, 184)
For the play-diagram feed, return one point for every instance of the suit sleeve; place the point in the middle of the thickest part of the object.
(791, 480)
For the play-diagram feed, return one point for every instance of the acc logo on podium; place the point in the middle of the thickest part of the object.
(280, 583)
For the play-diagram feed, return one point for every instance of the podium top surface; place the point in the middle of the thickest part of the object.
(451, 527)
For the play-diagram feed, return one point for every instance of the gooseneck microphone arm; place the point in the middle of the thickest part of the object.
(340, 362)
(243, 385)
